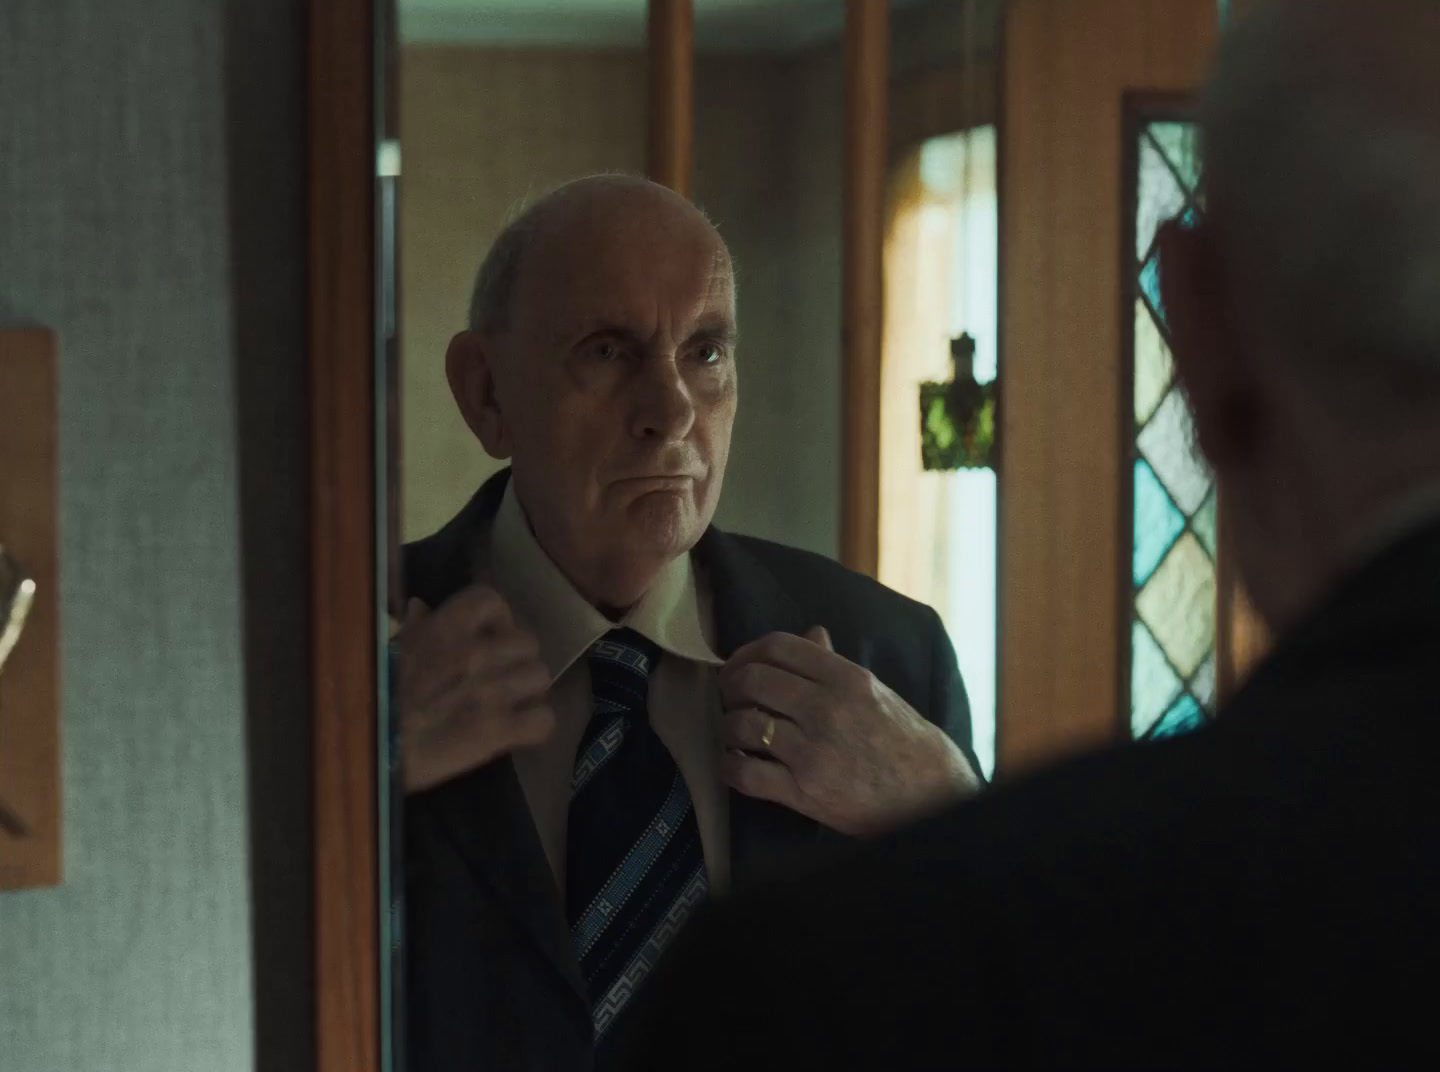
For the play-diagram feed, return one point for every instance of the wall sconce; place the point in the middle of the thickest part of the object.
(958, 425)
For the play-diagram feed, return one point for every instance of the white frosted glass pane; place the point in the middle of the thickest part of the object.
(969, 607)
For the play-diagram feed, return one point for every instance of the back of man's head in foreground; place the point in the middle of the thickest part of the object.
(1306, 308)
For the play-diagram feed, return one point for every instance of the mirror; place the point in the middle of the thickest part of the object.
(606, 704)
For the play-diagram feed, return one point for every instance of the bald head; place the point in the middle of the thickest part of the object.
(1322, 145)
(573, 215)
(600, 362)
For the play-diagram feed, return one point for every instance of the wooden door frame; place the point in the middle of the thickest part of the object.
(344, 616)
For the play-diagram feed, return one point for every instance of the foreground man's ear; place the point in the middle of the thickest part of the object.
(1211, 362)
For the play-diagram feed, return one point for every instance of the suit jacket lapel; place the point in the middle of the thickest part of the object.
(749, 603)
(485, 817)
(484, 813)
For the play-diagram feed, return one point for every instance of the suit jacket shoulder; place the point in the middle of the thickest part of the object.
(829, 587)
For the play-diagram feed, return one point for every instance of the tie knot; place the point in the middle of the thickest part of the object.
(627, 648)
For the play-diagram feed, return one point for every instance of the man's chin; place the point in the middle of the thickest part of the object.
(664, 522)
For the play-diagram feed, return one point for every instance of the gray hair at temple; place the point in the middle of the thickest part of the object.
(494, 290)
(1321, 135)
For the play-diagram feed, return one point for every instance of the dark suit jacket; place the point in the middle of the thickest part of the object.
(491, 980)
(1264, 892)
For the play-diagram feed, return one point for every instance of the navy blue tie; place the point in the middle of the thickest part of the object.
(634, 866)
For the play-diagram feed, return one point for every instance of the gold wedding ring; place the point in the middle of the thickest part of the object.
(769, 734)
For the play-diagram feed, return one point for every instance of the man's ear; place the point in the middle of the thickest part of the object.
(469, 366)
(1210, 360)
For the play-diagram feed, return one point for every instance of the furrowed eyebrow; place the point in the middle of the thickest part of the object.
(721, 332)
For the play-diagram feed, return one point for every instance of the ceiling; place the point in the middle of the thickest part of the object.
(770, 26)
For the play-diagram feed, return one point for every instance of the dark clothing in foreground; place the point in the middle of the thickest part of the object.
(1263, 892)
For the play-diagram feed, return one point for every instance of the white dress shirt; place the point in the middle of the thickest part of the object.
(684, 703)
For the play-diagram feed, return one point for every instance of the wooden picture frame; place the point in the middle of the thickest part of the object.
(31, 820)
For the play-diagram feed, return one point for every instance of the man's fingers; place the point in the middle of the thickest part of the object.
(818, 634)
(509, 648)
(798, 655)
(763, 779)
(759, 684)
(478, 609)
(759, 731)
(518, 687)
(533, 723)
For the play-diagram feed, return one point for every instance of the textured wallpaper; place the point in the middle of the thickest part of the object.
(150, 211)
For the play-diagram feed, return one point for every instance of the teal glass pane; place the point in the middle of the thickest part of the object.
(1184, 715)
(1159, 197)
(1180, 144)
(1153, 684)
(1178, 604)
(1157, 523)
(1202, 685)
(1154, 367)
(1150, 287)
(1168, 444)
(1204, 523)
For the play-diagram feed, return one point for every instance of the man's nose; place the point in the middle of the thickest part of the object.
(663, 408)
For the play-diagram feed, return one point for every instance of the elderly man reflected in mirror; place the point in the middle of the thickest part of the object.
(610, 709)
(1264, 893)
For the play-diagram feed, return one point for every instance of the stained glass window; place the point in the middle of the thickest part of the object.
(1173, 545)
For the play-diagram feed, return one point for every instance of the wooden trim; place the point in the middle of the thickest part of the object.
(343, 608)
(932, 102)
(867, 56)
(31, 853)
(671, 45)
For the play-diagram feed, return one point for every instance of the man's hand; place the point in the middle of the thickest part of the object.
(844, 749)
(471, 687)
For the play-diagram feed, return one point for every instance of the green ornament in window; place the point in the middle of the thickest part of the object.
(958, 418)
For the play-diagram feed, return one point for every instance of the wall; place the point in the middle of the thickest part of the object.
(482, 128)
(767, 156)
(151, 210)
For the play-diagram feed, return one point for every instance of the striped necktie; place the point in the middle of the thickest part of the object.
(635, 870)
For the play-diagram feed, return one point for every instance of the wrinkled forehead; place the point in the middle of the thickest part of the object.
(647, 271)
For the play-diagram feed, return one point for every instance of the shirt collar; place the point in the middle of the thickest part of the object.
(669, 615)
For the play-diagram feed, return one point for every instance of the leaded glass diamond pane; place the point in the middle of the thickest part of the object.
(1174, 542)
(1153, 684)
(1178, 142)
(1168, 444)
(1204, 523)
(1154, 367)
(1185, 715)
(1160, 197)
(1150, 285)
(1157, 523)
(1178, 604)
(1202, 685)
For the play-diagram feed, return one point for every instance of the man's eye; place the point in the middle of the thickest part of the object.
(605, 350)
(709, 354)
